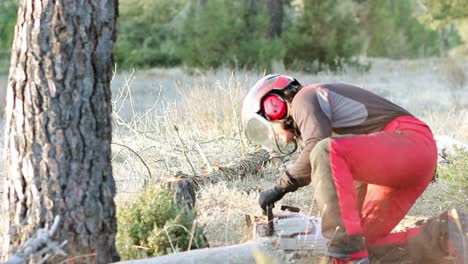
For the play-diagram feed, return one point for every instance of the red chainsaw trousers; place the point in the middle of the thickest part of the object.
(365, 184)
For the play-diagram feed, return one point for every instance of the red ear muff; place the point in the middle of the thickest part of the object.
(274, 107)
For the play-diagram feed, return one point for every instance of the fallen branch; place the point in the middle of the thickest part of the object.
(185, 186)
(40, 244)
(138, 156)
(235, 170)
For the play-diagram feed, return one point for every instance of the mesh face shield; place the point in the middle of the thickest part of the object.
(260, 132)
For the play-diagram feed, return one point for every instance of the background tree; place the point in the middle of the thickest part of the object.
(246, 34)
(444, 12)
(228, 33)
(322, 36)
(58, 125)
(276, 11)
(8, 10)
(149, 32)
(392, 30)
(442, 16)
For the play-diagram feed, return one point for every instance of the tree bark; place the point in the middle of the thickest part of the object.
(58, 126)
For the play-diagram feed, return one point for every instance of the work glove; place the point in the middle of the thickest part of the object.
(270, 196)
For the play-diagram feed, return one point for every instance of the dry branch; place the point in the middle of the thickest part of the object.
(184, 186)
(139, 157)
(251, 164)
(40, 244)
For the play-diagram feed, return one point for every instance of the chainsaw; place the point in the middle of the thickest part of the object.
(294, 230)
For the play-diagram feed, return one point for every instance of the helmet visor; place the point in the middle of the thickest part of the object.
(259, 131)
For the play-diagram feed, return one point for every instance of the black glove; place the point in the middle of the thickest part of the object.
(270, 196)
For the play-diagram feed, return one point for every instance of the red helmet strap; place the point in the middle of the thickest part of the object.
(274, 107)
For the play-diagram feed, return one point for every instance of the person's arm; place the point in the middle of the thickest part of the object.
(314, 125)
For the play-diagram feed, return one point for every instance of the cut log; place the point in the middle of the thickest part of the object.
(237, 254)
(295, 236)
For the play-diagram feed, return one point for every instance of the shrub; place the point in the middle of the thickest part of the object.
(455, 173)
(151, 224)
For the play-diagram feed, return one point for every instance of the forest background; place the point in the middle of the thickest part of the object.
(306, 35)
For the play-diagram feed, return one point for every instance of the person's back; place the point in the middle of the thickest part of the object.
(350, 109)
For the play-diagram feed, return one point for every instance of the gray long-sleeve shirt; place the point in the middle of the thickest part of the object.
(326, 109)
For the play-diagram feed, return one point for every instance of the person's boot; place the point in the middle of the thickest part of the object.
(457, 223)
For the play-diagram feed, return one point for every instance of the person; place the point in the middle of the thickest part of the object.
(368, 160)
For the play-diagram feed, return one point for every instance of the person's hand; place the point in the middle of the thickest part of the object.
(270, 196)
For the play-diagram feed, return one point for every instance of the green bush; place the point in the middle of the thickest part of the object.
(456, 172)
(151, 224)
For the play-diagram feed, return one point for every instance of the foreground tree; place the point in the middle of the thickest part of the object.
(58, 126)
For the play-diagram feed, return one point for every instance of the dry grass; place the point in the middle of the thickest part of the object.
(161, 115)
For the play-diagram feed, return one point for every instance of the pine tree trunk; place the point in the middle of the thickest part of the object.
(58, 126)
(275, 9)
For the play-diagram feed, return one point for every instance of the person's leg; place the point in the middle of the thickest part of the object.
(342, 242)
(396, 159)
(383, 209)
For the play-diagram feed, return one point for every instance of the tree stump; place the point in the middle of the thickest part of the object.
(184, 192)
